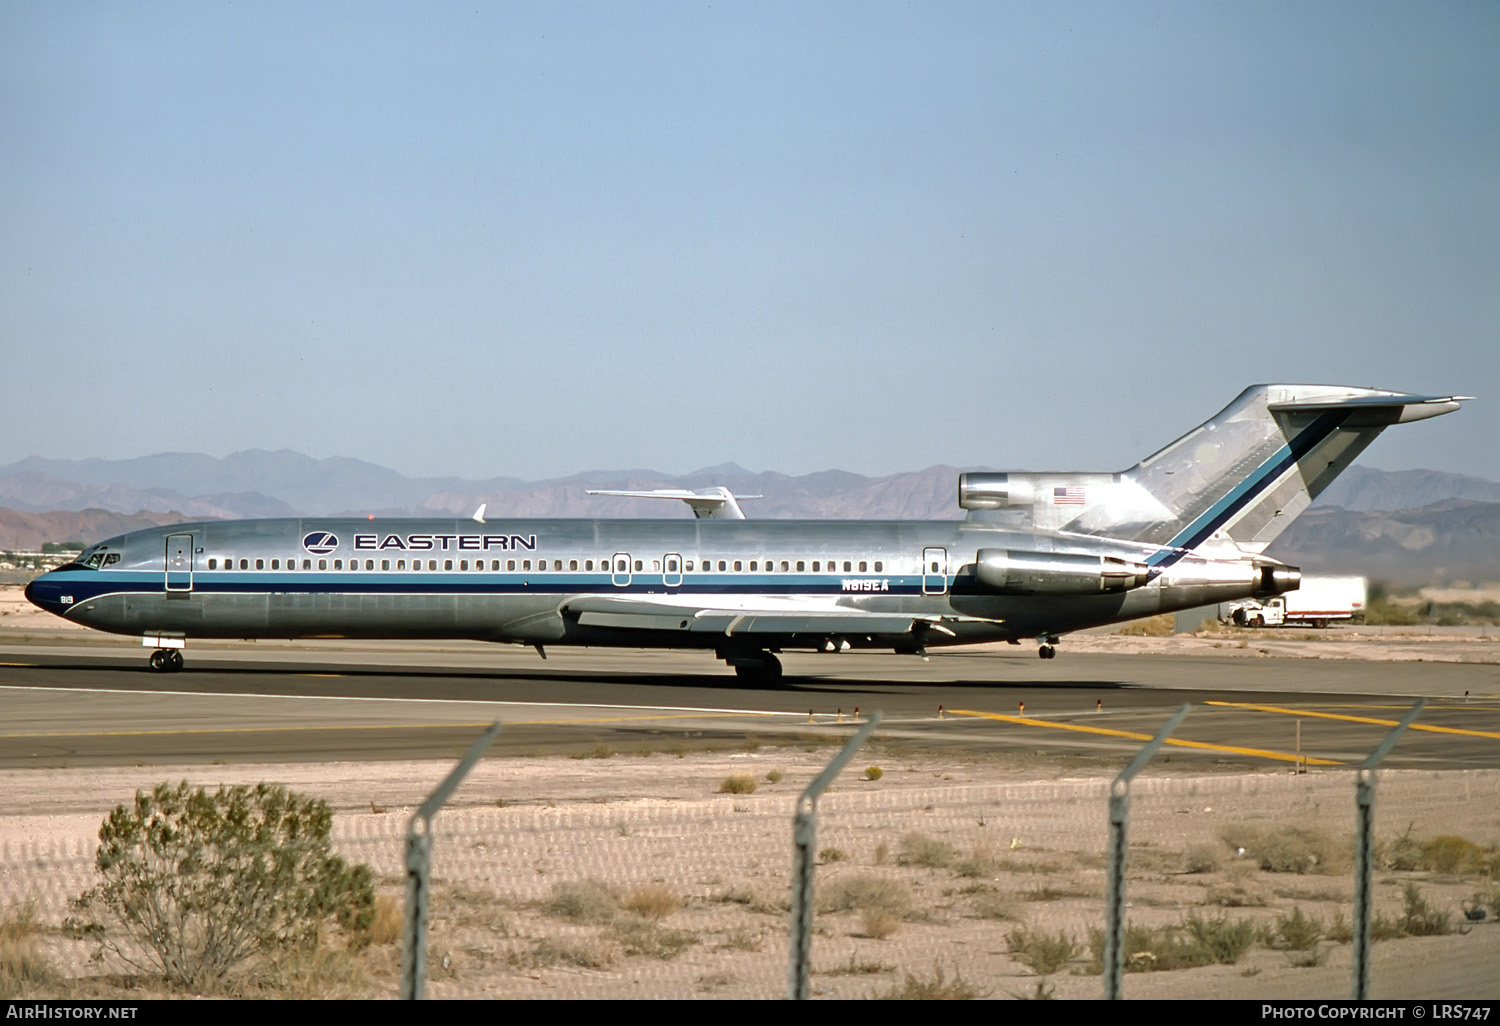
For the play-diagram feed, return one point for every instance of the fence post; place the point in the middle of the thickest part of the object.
(1364, 850)
(1119, 818)
(804, 845)
(418, 864)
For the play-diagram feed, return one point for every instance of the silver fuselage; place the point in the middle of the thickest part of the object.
(516, 580)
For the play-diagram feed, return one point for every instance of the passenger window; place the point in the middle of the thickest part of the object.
(557, 564)
(785, 566)
(863, 566)
(816, 564)
(802, 565)
(385, 564)
(737, 566)
(588, 564)
(572, 564)
(260, 564)
(370, 564)
(447, 564)
(721, 566)
(671, 566)
(322, 564)
(878, 566)
(656, 566)
(213, 564)
(638, 566)
(934, 566)
(688, 566)
(275, 564)
(621, 566)
(847, 567)
(525, 564)
(244, 564)
(752, 565)
(338, 564)
(510, 564)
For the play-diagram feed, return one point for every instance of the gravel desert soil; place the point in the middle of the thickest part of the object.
(633, 876)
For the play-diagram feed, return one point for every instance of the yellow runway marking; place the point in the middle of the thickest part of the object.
(1355, 719)
(1026, 721)
(370, 726)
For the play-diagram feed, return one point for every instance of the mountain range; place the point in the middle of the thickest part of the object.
(1403, 526)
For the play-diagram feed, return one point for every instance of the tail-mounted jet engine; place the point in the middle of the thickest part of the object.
(1055, 573)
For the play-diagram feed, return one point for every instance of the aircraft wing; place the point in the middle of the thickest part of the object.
(728, 617)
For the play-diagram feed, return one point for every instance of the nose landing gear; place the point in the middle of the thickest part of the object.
(1046, 646)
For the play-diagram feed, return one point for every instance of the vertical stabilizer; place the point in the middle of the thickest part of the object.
(1246, 473)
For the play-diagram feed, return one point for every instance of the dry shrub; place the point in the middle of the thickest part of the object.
(1296, 932)
(860, 891)
(1449, 854)
(917, 849)
(21, 964)
(874, 772)
(313, 973)
(878, 923)
(644, 937)
(389, 923)
(1239, 888)
(1290, 849)
(1419, 918)
(583, 952)
(980, 862)
(741, 939)
(1201, 858)
(737, 783)
(1041, 952)
(937, 988)
(1161, 626)
(776, 776)
(991, 905)
(1225, 941)
(653, 902)
(583, 901)
(832, 855)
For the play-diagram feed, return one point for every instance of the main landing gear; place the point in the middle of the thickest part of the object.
(166, 660)
(754, 666)
(1046, 646)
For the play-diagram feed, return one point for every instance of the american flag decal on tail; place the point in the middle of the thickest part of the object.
(1069, 496)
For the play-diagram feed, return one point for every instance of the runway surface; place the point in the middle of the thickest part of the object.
(67, 703)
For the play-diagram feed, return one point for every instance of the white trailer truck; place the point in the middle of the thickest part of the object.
(1318, 602)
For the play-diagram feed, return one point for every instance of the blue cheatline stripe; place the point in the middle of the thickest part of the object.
(1248, 490)
(376, 583)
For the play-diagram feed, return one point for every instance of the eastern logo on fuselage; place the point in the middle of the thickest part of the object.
(320, 542)
(445, 542)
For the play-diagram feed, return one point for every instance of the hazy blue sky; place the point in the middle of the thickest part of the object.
(530, 239)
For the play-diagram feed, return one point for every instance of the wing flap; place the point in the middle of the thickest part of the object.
(673, 614)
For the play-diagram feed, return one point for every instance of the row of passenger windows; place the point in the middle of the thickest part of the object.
(621, 566)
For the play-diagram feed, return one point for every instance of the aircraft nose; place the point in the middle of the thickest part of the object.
(43, 594)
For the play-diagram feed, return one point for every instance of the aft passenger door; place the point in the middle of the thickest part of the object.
(934, 571)
(671, 570)
(619, 570)
(180, 562)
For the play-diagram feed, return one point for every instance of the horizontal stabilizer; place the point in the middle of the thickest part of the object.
(716, 503)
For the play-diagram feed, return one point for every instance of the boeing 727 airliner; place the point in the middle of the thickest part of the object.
(1038, 556)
